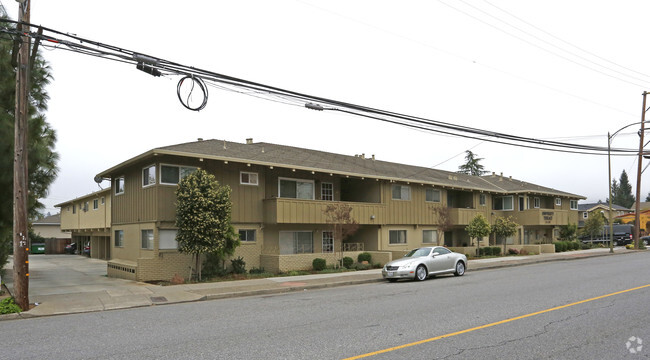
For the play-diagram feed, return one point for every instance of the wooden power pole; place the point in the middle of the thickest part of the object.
(21, 237)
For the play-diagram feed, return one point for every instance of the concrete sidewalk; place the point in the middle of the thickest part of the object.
(82, 286)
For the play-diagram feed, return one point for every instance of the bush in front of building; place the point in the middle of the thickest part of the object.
(364, 256)
(318, 264)
(238, 265)
(347, 262)
(512, 251)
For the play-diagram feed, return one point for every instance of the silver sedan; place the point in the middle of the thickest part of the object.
(423, 262)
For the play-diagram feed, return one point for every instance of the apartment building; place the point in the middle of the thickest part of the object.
(279, 195)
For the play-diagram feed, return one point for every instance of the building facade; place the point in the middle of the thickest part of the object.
(279, 200)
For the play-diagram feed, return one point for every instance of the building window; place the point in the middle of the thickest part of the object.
(537, 203)
(401, 192)
(247, 235)
(248, 178)
(432, 195)
(327, 191)
(119, 185)
(296, 189)
(74, 208)
(149, 176)
(296, 242)
(585, 215)
(85, 206)
(147, 239)
(503, 203)
(573, 204)
(119, 238)
(167, 240)
(558, 202)
(429, 236)
(481, 199)
(328, 242)
(95, 204)
(172, 175)
(103, 200)
(397, 236)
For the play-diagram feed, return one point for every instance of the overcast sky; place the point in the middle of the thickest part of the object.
(561, 70)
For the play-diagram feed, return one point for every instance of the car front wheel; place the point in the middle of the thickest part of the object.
(420, 273)
(460, 269)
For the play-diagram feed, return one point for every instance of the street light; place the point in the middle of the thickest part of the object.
(609, 164)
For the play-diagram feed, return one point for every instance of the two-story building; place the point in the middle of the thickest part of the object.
(586, 210)
(280, 193)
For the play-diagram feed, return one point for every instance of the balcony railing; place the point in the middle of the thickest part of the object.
(299, 211)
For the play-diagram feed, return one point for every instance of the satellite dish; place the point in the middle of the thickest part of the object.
(98, 179)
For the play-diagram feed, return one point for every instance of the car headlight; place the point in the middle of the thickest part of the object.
(409, 265)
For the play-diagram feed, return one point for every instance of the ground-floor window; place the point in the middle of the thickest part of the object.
(167, 239)
(247, 235)
(397, 236)
(296, 242)
(328, 242)
(147, 239)
(429, 236)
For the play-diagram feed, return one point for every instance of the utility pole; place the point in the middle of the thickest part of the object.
(637, 215)
(21, 237)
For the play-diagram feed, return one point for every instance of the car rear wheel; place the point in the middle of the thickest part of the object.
(460, 268)
(420, 273)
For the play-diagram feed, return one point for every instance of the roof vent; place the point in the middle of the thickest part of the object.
(249, 141)
(199, 139)
(373, 157)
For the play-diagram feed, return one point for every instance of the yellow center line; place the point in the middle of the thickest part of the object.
(492, 324)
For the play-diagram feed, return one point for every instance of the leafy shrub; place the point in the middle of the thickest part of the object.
(377, 266)
(347, 262)
(364, 256)
(575, 245)
(256, 270)
(238, 265)
(585, 246)
(318, 264)
(8, 306)
(629, 246)
(512, 251)
(496, 250)
(560, 246)
(213, 265)
(360, 266)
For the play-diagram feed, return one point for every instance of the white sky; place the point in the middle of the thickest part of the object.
(422, 58)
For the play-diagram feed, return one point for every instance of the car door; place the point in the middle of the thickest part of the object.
(442, 262)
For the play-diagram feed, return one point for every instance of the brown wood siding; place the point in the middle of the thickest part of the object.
(136, 204)
(414, 211)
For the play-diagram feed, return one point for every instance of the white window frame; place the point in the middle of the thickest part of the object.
(325, 192)
(178, 167)
(251, 176)
(427, 191)
(585, 215)
(434, 236)
(390, 242)
(245, 238)
(118, 241)
(150, 239)
(573, 204)
(402, 193)
(503, 208)
(120, 185)
(95, 204)
(147, 180)
(537, 202)
(313, 188)
(327, 244)
(558, 202)
(167, 239)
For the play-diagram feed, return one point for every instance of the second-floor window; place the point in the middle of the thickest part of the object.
(432, 195)
(585, 215)
(481, 199)
(573, 204)
(503, 203)
(172, 175)
(95, 204)
(248, 178)
(296, 189)
(537, 203)
(119, 185)
(327, 191)
(149, 176)
(558, 202)
(74, 209)
(401, 192)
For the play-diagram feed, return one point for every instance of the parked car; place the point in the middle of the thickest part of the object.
(87, 250)
(423, 262)
(71, 248)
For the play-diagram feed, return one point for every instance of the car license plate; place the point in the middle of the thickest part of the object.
(390, 274)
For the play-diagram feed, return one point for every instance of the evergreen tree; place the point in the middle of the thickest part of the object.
(472, 165)
(42, 160)
(623, 195)
(203, 218)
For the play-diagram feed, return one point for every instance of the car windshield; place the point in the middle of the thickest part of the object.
(418, 252)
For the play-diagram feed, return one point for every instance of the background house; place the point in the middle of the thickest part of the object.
(49, 228)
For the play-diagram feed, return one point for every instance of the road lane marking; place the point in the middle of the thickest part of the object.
(493, 324)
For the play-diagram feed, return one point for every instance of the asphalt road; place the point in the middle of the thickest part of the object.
(491, 314)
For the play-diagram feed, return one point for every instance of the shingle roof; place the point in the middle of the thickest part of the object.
(589, 206)
(314, 160)
(49, 220)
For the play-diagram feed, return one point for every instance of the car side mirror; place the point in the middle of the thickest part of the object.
(435, 253)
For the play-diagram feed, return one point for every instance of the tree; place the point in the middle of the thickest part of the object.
(503, 228)
(42, 159)
(477, 229)
(203, 218)
(622, 194)
(594, 224)
(341, 224)
(647, 198)
(471, 165)
(443, 215)
(569, 232)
